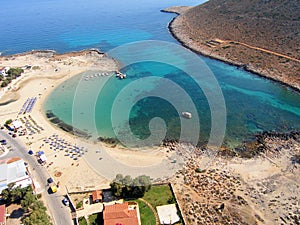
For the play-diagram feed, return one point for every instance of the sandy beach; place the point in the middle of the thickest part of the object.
(52, 70)
(258, 190)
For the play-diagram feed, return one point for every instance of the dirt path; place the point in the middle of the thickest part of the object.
(263, 50)
(153, 210)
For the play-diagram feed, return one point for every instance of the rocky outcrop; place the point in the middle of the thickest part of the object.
(260, 36)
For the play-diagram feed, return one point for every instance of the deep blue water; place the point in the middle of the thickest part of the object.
(74, 25)
(253, 104)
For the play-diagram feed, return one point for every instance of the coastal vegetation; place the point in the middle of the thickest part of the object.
(127, 187)
(9, 121)
(79, 205)
(95, 219)
(34, 210)
(36, 68)
(12, 73)
(15, 72)
(82, 221)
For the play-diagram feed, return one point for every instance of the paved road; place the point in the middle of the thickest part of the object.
(60, 214)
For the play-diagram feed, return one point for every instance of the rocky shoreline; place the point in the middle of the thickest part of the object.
(258, 190)
(51, 53)
(247, 150)
(176, 27)
(66, 127)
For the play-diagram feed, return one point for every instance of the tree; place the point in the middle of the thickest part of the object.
(27, 201)
(127, 180)
(16, 194)
(171, 200)
(37, 217)
(138, 191)
(37, 211)
(6, 123)
(5, 83)
(127, 187)
(15, 72)
(117, 185)
(145, 181)
(38, 204)
(6, 195)
(119, 178)
(141, 185)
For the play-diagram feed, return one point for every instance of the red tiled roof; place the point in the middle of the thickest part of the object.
(119, 214)
(97, 195)
(2, 214)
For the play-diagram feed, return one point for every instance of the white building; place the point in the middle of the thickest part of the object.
(167, 214)
(13, 170)
(3, 70)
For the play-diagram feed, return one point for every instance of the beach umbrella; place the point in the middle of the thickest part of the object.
(40, 153)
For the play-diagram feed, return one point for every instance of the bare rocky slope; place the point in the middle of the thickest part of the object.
(261, 35)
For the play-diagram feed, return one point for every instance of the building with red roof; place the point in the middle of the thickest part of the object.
(97, 196)
(2, 215)
(121, 214)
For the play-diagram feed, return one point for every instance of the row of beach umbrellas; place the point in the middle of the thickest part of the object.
(60, 144)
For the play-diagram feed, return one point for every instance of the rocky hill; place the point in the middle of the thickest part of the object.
(261, 35)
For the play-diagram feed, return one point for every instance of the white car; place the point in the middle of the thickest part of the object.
(66, 201)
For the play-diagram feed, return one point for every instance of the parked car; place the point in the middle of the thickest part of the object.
(30, 152)
(49, 180)
(53, 189)
(66, 201)
(3, 142)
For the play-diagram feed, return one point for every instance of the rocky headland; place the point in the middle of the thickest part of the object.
(260, 36)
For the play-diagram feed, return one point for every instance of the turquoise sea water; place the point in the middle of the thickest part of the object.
(253, 104)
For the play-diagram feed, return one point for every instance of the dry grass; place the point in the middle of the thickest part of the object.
(272, 25)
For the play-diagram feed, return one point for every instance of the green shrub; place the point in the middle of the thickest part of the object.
(5, 82)
(82, 221)
(36, 67)
(15, 72)
(8, 121)
(198, 170)
(79, 205)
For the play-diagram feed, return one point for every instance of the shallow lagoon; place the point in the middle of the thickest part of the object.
(253, 104)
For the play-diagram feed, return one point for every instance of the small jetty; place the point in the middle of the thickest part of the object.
(187, 115)
(120, 75)
(102, 74)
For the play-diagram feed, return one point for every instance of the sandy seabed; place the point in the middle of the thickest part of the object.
(47, 71)
(261, 190)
